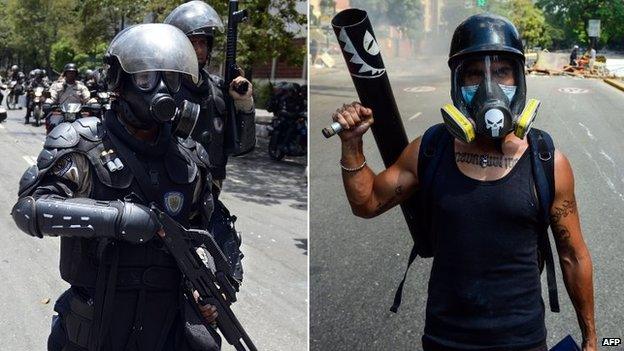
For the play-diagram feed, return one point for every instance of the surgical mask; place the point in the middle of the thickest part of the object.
(469, 91)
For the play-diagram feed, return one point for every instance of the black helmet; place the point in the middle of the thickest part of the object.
(487, 35)
(195, 18)
(38, 72)
(70, 67)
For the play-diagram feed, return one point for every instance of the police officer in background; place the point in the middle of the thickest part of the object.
(68, 89)
(15, 74)
(92, 185)
(36, 81)
(199, 21)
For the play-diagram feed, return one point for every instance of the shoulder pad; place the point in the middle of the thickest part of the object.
(89, 128)
(202, 155)
(46, 158)
(217, 80)
(62, 136)
(196, 151)
(29, 178)
(180, 164)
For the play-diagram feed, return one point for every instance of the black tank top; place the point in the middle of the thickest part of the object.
(484, 290)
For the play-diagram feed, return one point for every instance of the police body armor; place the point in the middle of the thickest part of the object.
(209, 131)
(210, 128)
(139, 283)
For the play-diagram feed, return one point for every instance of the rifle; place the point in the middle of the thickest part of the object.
(217, 289)
(240, 133)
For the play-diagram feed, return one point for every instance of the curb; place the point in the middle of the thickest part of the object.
(615, 83)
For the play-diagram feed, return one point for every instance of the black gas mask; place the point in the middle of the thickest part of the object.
(147, 102)
(489, 98)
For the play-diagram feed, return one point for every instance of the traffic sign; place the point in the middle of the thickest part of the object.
(593, 28)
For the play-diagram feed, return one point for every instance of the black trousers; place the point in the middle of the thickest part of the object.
(60, 340)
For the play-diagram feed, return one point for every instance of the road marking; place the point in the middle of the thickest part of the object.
(415, 116)
(606, 178)
(420, 89)
(604, 154)
(573, 90)
(589, 134)
(30, 160)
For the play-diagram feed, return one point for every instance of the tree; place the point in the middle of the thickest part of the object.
(528, 19)
(46, 32)
(570, 18)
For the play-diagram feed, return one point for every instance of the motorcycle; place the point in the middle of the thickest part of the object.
(39, 95)
(15, 90)
(69, 112)
(288, 130)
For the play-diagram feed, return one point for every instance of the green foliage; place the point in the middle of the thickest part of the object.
(406, 16)
(571, 16)
(62, 52)
(528, 18)
(262, 93)
(50, 33)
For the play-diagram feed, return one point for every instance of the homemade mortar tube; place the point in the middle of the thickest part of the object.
(363, 56)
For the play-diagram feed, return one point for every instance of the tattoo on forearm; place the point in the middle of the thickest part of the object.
(567, 207)
(562, 239)
(383, 206)
(486, 160)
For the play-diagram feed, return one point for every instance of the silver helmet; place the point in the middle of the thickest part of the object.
(153, 47)
(195, 18)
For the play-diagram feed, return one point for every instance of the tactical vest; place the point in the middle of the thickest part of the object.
(210, 127)
(146, 279)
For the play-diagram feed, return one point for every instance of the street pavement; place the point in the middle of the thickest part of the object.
(356, 264)
(269, 199)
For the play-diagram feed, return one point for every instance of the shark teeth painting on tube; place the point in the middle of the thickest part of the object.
(371, 47)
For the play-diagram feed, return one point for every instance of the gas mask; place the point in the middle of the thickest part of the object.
(489, 99)
(147, 101)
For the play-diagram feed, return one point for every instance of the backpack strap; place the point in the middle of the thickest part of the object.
(429, 155)
(543, 162)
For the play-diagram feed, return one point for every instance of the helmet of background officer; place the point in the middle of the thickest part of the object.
(198, 21)
(14, 68)
(38, 74)
(487, 78)
(31, 74)
(88, 74)
(70, 72)
(144, 65)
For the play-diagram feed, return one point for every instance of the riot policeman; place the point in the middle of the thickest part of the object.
(92, 185)
(199, 22)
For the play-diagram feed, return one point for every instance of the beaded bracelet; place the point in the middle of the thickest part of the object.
(353, 169)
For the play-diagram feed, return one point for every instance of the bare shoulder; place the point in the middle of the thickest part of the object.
(409, 157)
(564, 176)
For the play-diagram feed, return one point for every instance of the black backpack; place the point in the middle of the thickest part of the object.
(432, 146)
